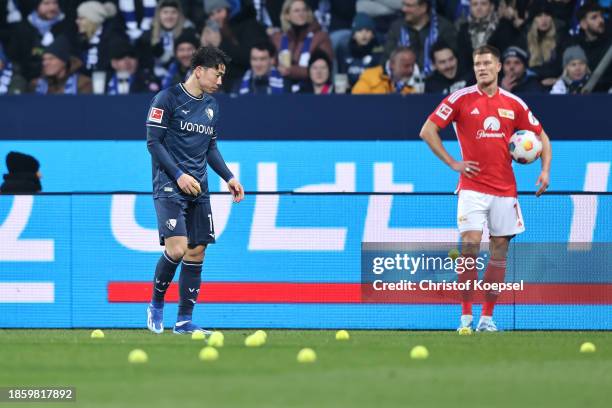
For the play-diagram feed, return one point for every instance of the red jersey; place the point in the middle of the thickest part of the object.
(484, 126)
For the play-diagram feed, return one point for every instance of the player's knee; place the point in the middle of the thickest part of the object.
(195, 254)
(471, 243)
(498, 246)
(177, 251)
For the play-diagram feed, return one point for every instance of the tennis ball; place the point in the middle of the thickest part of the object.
(209, 354)
(453, 254)
(342, 335)
(138, 356)
(198, 335)
(587, 347)
(306, 355)
(465, 331)
(419, 353)
(97, 334)
(253, 341)
(261, 333)
(216, 339)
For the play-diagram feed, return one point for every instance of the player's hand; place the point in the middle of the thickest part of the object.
(469, 168)
(189, 185)
(236, 189)
(543, 182)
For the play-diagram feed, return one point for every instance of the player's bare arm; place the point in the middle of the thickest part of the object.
(544, 178)
(430, 133)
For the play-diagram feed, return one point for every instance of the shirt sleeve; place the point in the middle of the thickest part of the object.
(445, 113)
(525, 120)
(157, 122)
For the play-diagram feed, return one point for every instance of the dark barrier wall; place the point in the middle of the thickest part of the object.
(339, 117)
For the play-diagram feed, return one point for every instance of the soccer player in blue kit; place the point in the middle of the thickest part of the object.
(182, 139)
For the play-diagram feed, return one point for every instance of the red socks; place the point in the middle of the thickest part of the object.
(470, 274)
(495, 273)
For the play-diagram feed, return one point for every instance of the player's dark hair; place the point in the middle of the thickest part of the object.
(209, 57)
(439, 46)
(487, 49)
(265, 46)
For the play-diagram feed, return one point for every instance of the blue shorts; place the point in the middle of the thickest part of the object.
(182, 218)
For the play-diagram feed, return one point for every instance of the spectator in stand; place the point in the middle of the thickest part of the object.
(137, 16)
(384, 12)
(484, 26)
(10, 83)
(419, 28)
(516, 77)
(37, 31)
(301, 34)
(184, 47)
(96, 29)
(157, 45)
(60, 71)
(595, 41)
(238, 35)
(336, 18)
(268, 14)
(23, 174)
(127, 77)
(398, 76)
(576, 72)
(320, 79)
(263, 78)
(364, 50)
(545, 42)
(447, 76)
(9, 16)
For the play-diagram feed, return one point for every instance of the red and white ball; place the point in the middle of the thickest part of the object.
(525, 146)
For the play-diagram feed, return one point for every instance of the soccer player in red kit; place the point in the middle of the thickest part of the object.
(484, 118)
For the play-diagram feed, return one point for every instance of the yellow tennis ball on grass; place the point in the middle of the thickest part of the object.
(306, 355)
(138, 356)
(97, 334)
(419, 353)
(342, 335)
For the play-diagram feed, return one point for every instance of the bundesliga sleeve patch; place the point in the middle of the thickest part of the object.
(444, 111)
(156, 115)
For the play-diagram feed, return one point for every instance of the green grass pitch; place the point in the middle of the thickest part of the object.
(372, 369)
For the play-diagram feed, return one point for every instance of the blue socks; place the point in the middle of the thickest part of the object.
(164, 273)
(189, 288)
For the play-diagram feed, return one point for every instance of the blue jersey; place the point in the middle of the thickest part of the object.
(181, 137)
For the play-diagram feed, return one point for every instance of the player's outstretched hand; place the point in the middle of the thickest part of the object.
(543, 182)
(236, 189)
(469, 168)
(189, 185)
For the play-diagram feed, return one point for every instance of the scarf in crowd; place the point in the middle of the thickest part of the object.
(323, 14)
(118, 86)
(173, 70)
(262, 14)
(44, 26)
(167, 40)
(397, 85)
(481, 31)
(275, 82)
(13, 13)
(462, 11)
(432, 37)
(304, 53)
(70, 88)
(574, 23)
(6, 75)
(128, 10)
(91, 56)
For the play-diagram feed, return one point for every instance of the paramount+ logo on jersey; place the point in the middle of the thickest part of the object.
(197, 128)
(491, 129)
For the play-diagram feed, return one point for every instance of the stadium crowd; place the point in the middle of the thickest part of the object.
(303, 46)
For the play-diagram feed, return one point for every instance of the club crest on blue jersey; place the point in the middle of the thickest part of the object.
(209, 113)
